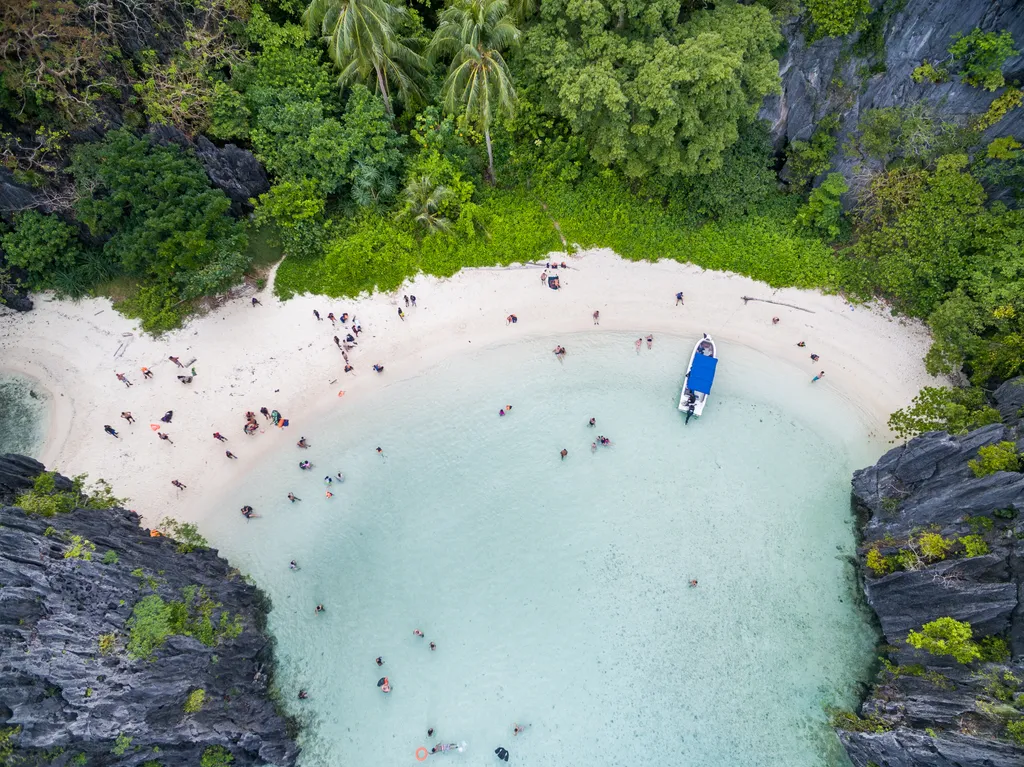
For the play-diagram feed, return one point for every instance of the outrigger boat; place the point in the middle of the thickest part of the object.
(699, 376)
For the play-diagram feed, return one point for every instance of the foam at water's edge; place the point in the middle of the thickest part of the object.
(557, 591)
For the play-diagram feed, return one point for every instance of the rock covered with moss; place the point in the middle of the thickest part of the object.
(120, 649)
(943, 564)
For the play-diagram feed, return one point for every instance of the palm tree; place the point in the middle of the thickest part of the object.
(474, 33)
(423, 198)
(363, 42)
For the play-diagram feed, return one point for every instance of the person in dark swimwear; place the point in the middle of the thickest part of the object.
(302, 693)
(593, 422)
(430, 732)
(380, 661)
(378, 368)
(319, 609)
(302, 442)
(293, 498)
(564, 453)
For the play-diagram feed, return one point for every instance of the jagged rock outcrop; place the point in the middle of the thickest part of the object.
(62, 696)
(828, 77)
(925, 709)
(234, 170)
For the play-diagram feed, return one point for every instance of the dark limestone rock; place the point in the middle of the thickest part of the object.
(64, 693)
(922, 29)
(14, 197)
(909, 748)
(938, 711)
(234, 170)
(1009, 399)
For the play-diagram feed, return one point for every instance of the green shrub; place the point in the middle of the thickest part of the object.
(992, 458)
(110, 557)
(997, 110)
(823, 212)
(940, 409)
(928, 71)
(1015, 730)
(934, 546)
(121, 745)
(835, 18)
(880, 565)
(849, 721)
(185, 535)
(994, 649)
(80, 759)
(7, 736)
(980, 57)
(806, 160)
(148, 627)
(80, 549)
(195, 701)
(41, 245)
(946, 636)
(974, 546)
(107, 643)
(216, 756)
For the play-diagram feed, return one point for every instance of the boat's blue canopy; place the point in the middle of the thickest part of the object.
(702, 374)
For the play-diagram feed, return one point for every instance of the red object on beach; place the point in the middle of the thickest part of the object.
(155, 426)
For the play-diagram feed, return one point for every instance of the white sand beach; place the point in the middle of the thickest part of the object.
(279, 356)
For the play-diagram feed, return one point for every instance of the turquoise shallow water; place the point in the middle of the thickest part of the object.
(24, 416)
(557, 591)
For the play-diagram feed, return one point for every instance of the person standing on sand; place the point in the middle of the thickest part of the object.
(406, 301)
(815, 358)
(178, 485)
(337, 342)
(330, 316)
(317, 315)
(818, 377)
(164, 437)
(126, 415)
(412, 299)
(597, 317)
(679, 298)
(110, 430)
(265, 413)
(543, 278)
(401, 314)
(650, 340)
(229, 454)
(123, 379)
(219, 436)
(255, 302)
(176, 361)
(147, 373)
(775, 320)
(378, 368)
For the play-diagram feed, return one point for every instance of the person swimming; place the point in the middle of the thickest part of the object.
(303, 694)
(593, 422)
(340, 477)
(292, 565)
(518, 728)
(319, 609)
(305, 465)
(380, 661)
(384, 684)
(441, 748)
(328, 480)
(417, 632)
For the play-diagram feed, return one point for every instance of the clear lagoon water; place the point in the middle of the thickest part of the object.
(24, 415)
(557, 591)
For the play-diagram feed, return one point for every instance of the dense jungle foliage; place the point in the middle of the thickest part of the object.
(423, 135)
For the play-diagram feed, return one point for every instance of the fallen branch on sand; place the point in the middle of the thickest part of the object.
(777, 303)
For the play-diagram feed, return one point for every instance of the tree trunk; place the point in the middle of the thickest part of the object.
(490, 156)
(382, 84)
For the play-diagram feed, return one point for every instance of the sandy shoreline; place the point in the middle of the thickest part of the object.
(279, 356)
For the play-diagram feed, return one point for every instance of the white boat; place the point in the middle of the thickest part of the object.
(700, 374)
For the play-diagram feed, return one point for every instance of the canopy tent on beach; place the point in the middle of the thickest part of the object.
(702, 373)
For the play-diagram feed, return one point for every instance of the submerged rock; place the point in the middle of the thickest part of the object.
(78, 683)
(925, 709)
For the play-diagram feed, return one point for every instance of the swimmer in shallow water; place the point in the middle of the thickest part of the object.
(441, 748)
(417, 632)
(319, 609)
(380, 661)
(303, 694)
(292, 565)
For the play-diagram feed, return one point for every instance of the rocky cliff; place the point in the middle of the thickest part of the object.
(829, 77)
(939, 542)
(120, 650)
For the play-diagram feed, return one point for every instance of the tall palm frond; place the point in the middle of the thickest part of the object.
(363, 42)
(473, 33)
(423, 199)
